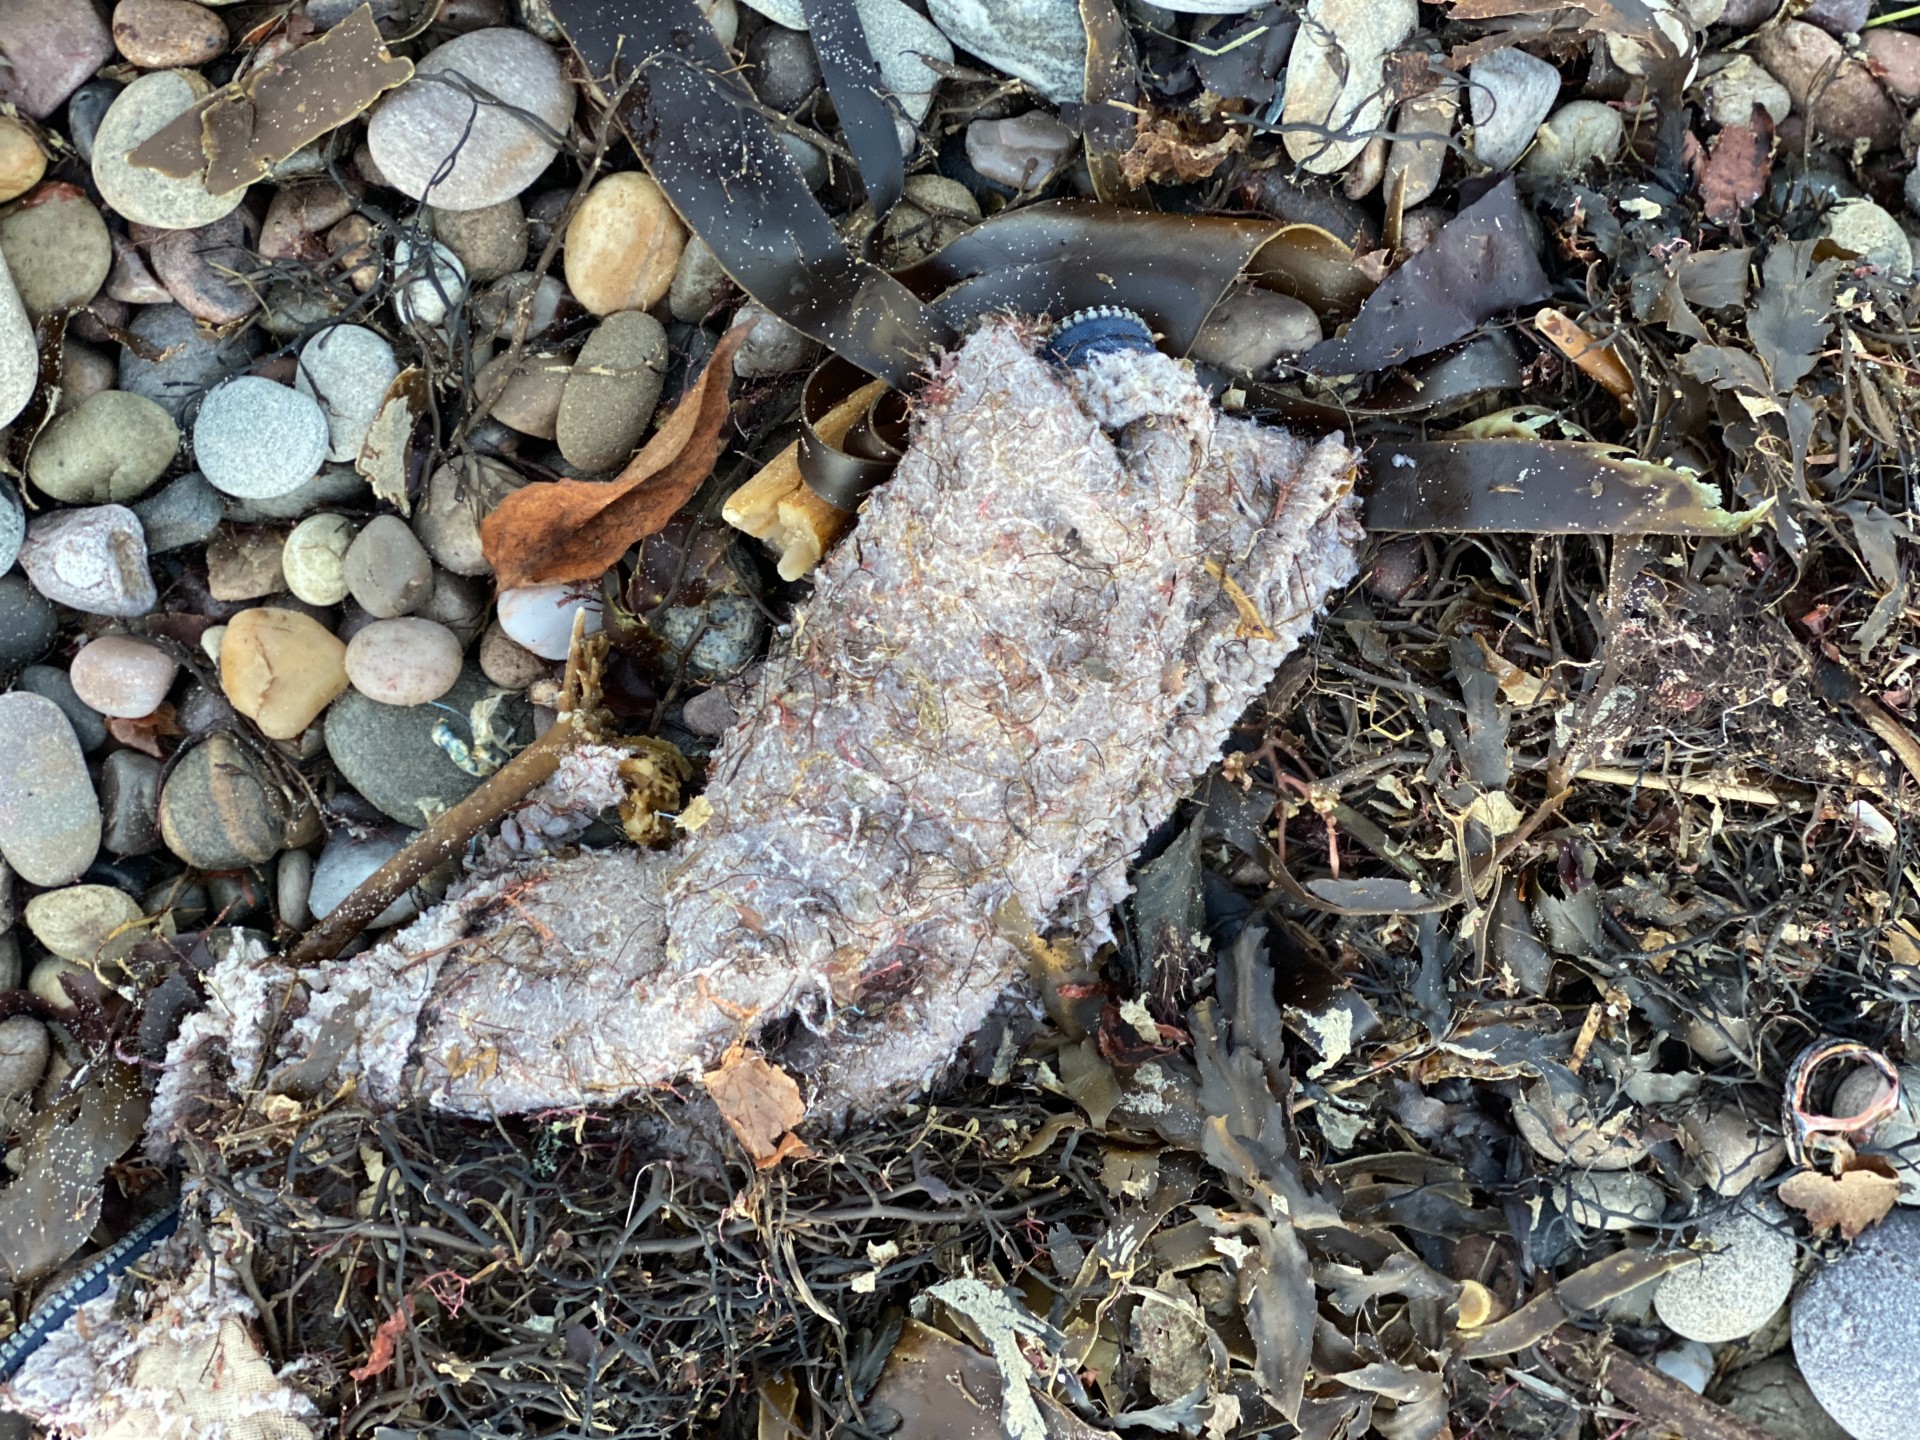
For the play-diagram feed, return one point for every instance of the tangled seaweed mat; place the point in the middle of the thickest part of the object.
(1023, 659)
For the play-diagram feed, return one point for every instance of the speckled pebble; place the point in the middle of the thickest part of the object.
(185, 511)
(1743, 1277)
(49, 817)
(189, 360)
(146, 196)
(51, 46)
(623, 244)
(611, 392)
(24, 1048)
(92, 559)
(123, 676)
(217, 812)
(110, 448)
(1856, 1331)
(244, 564)
(347, 369)
(56, 683)
(57, 248)
(85, 923)
(489, 242)
(447, 518)
(256, 438)
(508, 663)
(407, 661)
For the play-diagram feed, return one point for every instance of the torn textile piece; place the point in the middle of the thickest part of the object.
(1023, 658)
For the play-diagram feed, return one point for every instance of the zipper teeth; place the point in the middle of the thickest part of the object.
(89, 1284)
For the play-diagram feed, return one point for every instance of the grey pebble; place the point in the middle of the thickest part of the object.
(612, 391)
(725, 634)
(217, 812)
(1510, 95)
(345, 862)
(92, 559)
(447, 519)
(89, 725)
(24, 1048)
(388, 571)
(13, 525)
(334, 486)
(388, 753)
(699, 282)
(1043, 42)
(130, 797)
(346, 369)
(1252, 329)
(189, 359)
(184, 511)
(27, 621)
(488, 243)
(1856, 1332)
(19, 351)
(784, 69)
(49, 817)
(772, 347)
(292, 882)
(109, 448)
(1742, 1278)
(86, 108)
(256, 439)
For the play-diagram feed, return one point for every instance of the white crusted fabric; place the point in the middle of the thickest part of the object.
(1023, 658)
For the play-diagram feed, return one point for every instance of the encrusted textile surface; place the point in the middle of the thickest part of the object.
(1027, 653)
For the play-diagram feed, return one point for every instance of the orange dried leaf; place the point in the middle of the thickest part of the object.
(761, 1103)
(560, 530)
(1859, 1197)
(144, 734)
(1732, 172)
(385, 1339)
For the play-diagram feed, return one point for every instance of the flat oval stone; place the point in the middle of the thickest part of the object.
(109, 448)
(52, 48)
(407, 661)
(22, 162)
(85, 923)
(1043, 42)
(1743, 1276)
(489, 243)
(1856, 1331)
(185, 511)
(387, 569)
(281, 669)
(217, 812)
(54, 682)
(389, 753)
(256, 439)
(612, 391)
(93, 559)
(147, 197)
(447, 518)
(346, 862)
(122, 676)
(623, 244)
(530, 395)
(165, 34)
(494, 153)
(204, 270)
(346, 369)
(130, 796)
(314, 560)
(190, 359)
(49, 817)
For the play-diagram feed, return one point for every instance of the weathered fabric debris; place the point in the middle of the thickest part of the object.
(1024, 657)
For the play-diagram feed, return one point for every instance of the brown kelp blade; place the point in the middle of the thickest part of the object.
(853, 80)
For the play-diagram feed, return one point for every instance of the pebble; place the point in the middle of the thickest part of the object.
(345, 862)
(93, 560)
(1334, 78)
(1020, 152)
(52, 47)
(460, 603)
(1739, 85)
(56, 683)
(811, 160)
(772, 346)
(245, 564)
(84, 373)
(86, 108)
(1611, 1199)
(1856, 1331)
(1744, 1275)
(434, 282)
(164, 34)
(335, 485)
(131, 280)
(57, 981)
(122, 676)
(146, 196)
(408, 661)
(1252, 329)
(217, 812)
(256, 439)
(85, 923)
(710, 713)
(903, 41)
(447, 518)
(190, 360)
(1689, 1362)
(1895, 57)
(1774, 1396)
(489, 242)
(507, 663)
(1894, 1138)
(1838, 17)
(24, 1048)
(353, 243)
(1871, 233)
(130, 796)
(1850, 104)
(1509, 96)
(185, 511)
(612, 391)
(783, 66)
(530, 399)
(495, 153)
(622, 245)
(109, 448)
(19, 351)
(388, 571)
(57, 249)
(27, 621)
(49, 817)
(699, 282)
(1732, 1149)
(314, 559)
(13, 525)
(206, 270)
(933, 212)
(22, 162)
(280, 669)
(1578, 134)
(292, 885)
(725, 634)
(1042, 42)
(388, 752)
(347, 369)
(540, 617)
(297, 216)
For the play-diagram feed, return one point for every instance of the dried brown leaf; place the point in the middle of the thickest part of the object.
(561, 530)
(1731, 173)
(1163, 152)
(761, 1104)
(145, 733)
(1856, 1199)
